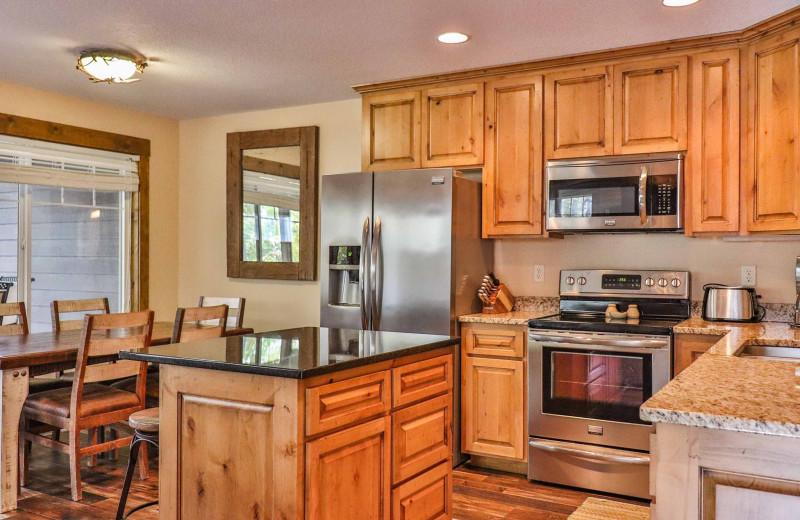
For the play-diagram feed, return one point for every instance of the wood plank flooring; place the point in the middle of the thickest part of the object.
(478, 494)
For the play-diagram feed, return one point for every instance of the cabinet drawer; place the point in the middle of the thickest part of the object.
(345, 402)
(427, 497)
(421, 380)
(421, 437)
(495, 342)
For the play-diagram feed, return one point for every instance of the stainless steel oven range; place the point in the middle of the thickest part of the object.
(588, 376)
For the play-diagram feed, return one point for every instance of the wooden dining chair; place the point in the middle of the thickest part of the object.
(16, 309)
(235, 309)
(88, 405)
(60, 307)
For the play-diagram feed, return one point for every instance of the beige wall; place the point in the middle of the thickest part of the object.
(202, 258)
(708, 259)
(163, 135)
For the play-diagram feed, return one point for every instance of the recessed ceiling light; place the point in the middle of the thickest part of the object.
(109, 66)
(678, 3)
(452, 37)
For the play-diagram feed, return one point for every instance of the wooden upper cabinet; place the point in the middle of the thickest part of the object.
(773, 183)
(650, 106)
(452, 125)
(512, 173)
(578, 113)
(390, 131)
(713, 154)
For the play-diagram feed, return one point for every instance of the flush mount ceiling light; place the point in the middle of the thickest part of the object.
(108, 66)
(452, 37)
(678, 3)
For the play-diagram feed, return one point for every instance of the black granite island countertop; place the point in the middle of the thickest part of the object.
(293, 353)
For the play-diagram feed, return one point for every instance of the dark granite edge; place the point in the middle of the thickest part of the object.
(289, 373)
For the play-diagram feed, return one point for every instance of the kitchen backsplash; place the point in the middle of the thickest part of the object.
(545, 305)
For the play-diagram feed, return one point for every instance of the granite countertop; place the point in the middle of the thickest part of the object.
(505, 318)
(723, 391)
(292, 353)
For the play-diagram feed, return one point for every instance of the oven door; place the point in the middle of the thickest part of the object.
(597, 197)
(588, 387)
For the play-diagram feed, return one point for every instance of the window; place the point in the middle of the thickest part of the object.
(271, 233)
(65, 226)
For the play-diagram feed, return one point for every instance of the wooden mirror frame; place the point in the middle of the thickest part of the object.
(307, 138)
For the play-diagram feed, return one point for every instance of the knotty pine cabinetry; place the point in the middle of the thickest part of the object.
(689, 347)
(494, 391)
(732, 102)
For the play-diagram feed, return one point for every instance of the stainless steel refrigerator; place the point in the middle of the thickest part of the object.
(402, 251)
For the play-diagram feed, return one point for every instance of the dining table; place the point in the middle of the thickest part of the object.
(38, 353)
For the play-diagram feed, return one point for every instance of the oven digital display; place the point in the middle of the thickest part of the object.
(622, 281)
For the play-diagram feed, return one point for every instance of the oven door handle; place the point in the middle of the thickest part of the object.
(561, 447)
(646, 344)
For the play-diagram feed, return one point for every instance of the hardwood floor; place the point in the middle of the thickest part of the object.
(478, 494)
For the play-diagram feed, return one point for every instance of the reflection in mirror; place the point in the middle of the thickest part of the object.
(271, 204)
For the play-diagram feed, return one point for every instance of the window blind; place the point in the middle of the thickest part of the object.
(27, 161)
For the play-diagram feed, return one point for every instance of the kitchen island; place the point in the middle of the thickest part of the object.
(309, 423)
(727, 441)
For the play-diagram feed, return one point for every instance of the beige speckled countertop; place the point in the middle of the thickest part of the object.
(506, 318)
(721, 390)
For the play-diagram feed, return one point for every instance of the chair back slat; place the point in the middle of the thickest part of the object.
(106, 335)
(59, 307)
(16, 309)
(235, 308)
(208, 322)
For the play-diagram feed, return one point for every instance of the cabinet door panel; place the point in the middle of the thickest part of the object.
(347, 473)
(650, 106)
(689, 347)
(338, 404)
(713, 156)
(390, 131)
(495, 342)
(421, 380)
(427, 497)
(421, 436)
(493, 407)
(578, 113)
(452, 125)
(774, 202)
(512, 191)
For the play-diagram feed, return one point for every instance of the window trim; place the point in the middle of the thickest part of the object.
(139, 260)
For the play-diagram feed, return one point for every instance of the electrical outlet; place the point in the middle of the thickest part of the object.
(749, 275)
(538, 273)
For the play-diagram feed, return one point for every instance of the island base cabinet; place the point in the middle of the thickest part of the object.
(347, 473)
(718, 474)
(426, 497)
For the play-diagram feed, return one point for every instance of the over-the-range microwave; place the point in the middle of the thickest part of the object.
(630, 193)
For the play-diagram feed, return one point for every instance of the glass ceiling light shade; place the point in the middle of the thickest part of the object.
(106, 66)
(452, 37)
(678, 3)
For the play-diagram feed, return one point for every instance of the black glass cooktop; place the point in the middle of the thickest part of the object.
(294, 353)
(602, 324)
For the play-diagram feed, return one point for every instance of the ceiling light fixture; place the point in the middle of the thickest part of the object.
(452, 37)
(678, 3)
(109, 66)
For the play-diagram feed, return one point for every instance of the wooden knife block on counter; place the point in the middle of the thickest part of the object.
(502, 301)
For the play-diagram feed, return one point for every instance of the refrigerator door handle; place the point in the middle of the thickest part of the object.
(363, 276)
(376, 275)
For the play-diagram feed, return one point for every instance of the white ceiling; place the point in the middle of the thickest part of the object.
(222, 56)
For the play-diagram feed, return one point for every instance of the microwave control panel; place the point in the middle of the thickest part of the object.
(663, 195)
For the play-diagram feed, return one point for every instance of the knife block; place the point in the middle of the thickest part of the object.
(501, 301)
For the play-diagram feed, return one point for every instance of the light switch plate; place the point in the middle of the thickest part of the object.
(749, 275)
(538, 273)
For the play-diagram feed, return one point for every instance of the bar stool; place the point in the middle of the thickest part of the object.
(145, 426)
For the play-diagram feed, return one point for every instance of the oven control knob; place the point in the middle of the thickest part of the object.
(581, 281)
(570, 280)
(649, 282)
(662, 282)
(676, 282)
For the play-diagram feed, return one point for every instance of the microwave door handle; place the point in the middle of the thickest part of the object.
(363, 275)
(643, 195)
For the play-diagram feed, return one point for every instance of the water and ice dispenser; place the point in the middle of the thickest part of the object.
(344, 275)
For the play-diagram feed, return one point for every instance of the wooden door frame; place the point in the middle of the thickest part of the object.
(51, 132)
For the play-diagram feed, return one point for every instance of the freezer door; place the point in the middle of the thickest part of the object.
(346, 228)
(411, 251)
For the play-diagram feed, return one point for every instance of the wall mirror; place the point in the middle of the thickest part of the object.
(272, 204)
